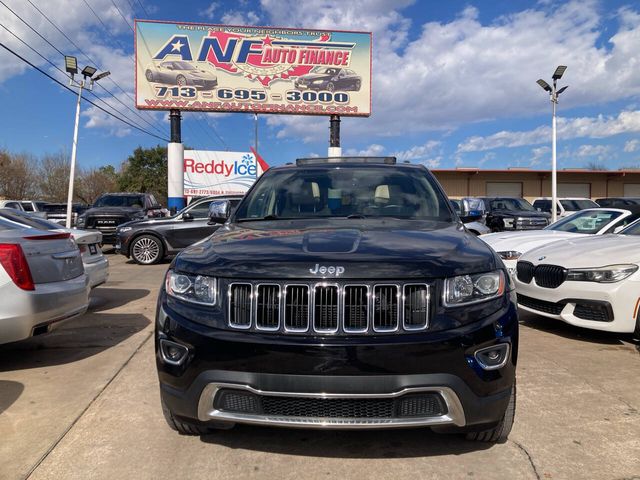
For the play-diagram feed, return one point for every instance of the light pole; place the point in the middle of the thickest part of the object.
(71, 66)
(553, 96)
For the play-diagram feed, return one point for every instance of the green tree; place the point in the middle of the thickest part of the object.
(145, 171)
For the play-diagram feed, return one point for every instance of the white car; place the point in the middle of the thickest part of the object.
(564, 206)
(96, 265)
(595, 221)
(591, 282)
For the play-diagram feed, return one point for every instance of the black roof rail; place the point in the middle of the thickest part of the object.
(325, 160)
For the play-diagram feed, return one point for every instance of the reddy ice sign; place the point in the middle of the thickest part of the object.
(220, 173)
(252, 69)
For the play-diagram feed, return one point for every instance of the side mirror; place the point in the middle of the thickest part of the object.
(187, 217)
(619, 228)
(219, 211)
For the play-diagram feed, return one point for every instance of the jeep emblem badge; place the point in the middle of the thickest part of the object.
(330, 270)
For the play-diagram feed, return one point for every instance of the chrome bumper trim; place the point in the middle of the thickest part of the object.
(454, 415)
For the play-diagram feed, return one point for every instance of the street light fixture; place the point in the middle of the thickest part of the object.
(553, 96)
(71, 66)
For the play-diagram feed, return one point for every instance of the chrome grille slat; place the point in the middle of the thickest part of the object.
(296, 310)
(240, 305)
(415, 313)
(325, 308)
(355, 308)
(385, 308)
(268, 307)
(329, 308)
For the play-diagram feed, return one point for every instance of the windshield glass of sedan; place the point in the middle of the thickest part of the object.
(343, 192)
(513, 204)
(184, 66)
(575, 205)
(120, 201)
(585, 222)
(633, 229)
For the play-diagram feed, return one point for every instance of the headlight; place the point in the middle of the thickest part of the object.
(609, 274)
(80, 221)
(509, 255)
(123, 229)
(191, 288)
(466, 289)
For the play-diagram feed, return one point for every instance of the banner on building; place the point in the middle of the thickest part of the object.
(220, 173)
(227, 68)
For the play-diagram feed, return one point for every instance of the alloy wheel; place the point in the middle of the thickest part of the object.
(146, 251)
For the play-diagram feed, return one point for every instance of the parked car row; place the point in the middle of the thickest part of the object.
(582, 270)
(46, 273)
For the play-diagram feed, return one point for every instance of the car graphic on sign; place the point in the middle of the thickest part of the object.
(331, 79)
(176, 72)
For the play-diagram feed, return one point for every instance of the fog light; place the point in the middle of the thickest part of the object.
(173, 353)
(493, 357)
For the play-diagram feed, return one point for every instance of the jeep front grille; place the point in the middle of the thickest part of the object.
(329, 308)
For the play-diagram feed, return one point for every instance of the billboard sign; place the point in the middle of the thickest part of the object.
(220, 173)
(227, 68)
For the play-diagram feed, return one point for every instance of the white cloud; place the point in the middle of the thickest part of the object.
(599, 151)
(373, 150)
(236, 17)
(568, 128)
(465, 70)
(418, 152)
(210, 10)
(632, 145)
(538, 154)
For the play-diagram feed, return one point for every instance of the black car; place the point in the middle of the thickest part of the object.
(149, 241)
(331, 79)
(113, 209)
(339, 294)
(507, 213)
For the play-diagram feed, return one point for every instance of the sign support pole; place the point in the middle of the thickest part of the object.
(334, 136)
(175, 164)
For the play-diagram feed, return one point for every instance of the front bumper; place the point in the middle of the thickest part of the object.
(621, 299)
(380, 367)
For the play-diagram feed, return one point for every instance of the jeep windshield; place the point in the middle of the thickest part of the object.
(120, 201)
(345, 192)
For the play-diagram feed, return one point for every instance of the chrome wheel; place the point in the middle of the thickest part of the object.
(181, 81)
(149, 75)
(331, 87)
(146, 250)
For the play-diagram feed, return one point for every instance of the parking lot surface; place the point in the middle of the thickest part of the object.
(83, 402)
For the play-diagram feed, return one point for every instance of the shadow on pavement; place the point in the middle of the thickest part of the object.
(106, 298)
(572, 332)
(397, 443)
(75, 340)
(9, 393)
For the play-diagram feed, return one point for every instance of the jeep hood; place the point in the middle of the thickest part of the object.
(379, 250)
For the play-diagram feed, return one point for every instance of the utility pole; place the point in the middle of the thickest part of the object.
(175, 164)
(334, 136)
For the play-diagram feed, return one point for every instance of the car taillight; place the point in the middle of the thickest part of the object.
(15, 263)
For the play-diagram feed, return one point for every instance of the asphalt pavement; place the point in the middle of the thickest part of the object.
(83, 402)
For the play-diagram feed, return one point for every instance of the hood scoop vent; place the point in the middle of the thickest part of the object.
(334, 241)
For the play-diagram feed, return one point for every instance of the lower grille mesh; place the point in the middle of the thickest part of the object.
(541, 305)
(427, 404)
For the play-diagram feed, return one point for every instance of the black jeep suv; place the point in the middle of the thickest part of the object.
(341, 293)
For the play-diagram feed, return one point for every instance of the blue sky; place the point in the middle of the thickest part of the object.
(453, 82)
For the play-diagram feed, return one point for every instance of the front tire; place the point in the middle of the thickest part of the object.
(499, 433)
(147, 250)
(331, 87)
(181, 80)
(149, 75)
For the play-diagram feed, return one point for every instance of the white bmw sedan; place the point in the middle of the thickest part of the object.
(594, 221)
(591, 282)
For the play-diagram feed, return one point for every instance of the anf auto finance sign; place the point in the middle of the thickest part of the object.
(252, 69)
(220, 173)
